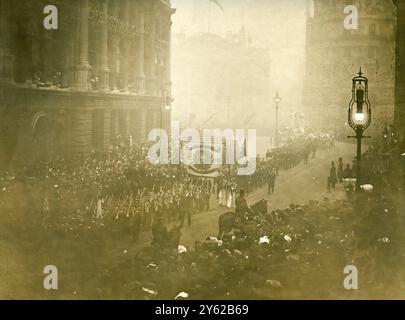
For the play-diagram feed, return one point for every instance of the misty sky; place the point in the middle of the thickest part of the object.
(276, 24)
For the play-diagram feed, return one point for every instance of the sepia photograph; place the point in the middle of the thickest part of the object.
(202, 150)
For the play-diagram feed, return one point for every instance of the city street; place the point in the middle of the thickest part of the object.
(202, 150)
(295, 186)
(15, 274)
(298, 185)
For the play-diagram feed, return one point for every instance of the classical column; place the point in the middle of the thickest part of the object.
(140, 52)
(9, 119)
(126, 46)
(6, 59)
(151, 53)
(113, 63)
(166, 74)
(400, 72)
(114, 43)
(82, 69)
(46, 63)
(35, 54)
(168, 62)
(132, 66)
(67, 75)
(104, 71)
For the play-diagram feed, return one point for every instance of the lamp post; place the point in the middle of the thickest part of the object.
(359, 117)
(167, 105)
(277, 101)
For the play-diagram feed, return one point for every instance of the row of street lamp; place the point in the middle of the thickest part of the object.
(359, 117)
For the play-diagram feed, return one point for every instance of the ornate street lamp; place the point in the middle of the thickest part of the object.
(277, 101)
(359, 117)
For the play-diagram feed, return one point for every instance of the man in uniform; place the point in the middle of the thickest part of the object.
(271, 181)
(206, 197)
(186, 206)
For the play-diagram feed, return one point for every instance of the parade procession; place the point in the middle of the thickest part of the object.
(202, 150)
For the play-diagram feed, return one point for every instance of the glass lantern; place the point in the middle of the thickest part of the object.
(359, 108)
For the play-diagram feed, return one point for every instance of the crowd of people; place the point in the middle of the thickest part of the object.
(382, 166)
(87, 202)
(298, 252)
(125, 185)
(295, 252)
(341, 174)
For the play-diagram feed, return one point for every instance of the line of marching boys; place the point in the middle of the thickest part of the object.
(170, 205)
(175, 203)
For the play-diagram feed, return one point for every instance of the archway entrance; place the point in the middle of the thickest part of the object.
(41, 137)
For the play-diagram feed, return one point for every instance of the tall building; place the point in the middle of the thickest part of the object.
(224, 80)
(335, 54)
(103, 75)
(400, 69)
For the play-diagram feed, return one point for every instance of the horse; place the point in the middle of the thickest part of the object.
(260, 207)
(226, 221)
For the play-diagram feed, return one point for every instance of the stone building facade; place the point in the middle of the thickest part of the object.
(335, 54)
(104, 75)
(400, 69)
